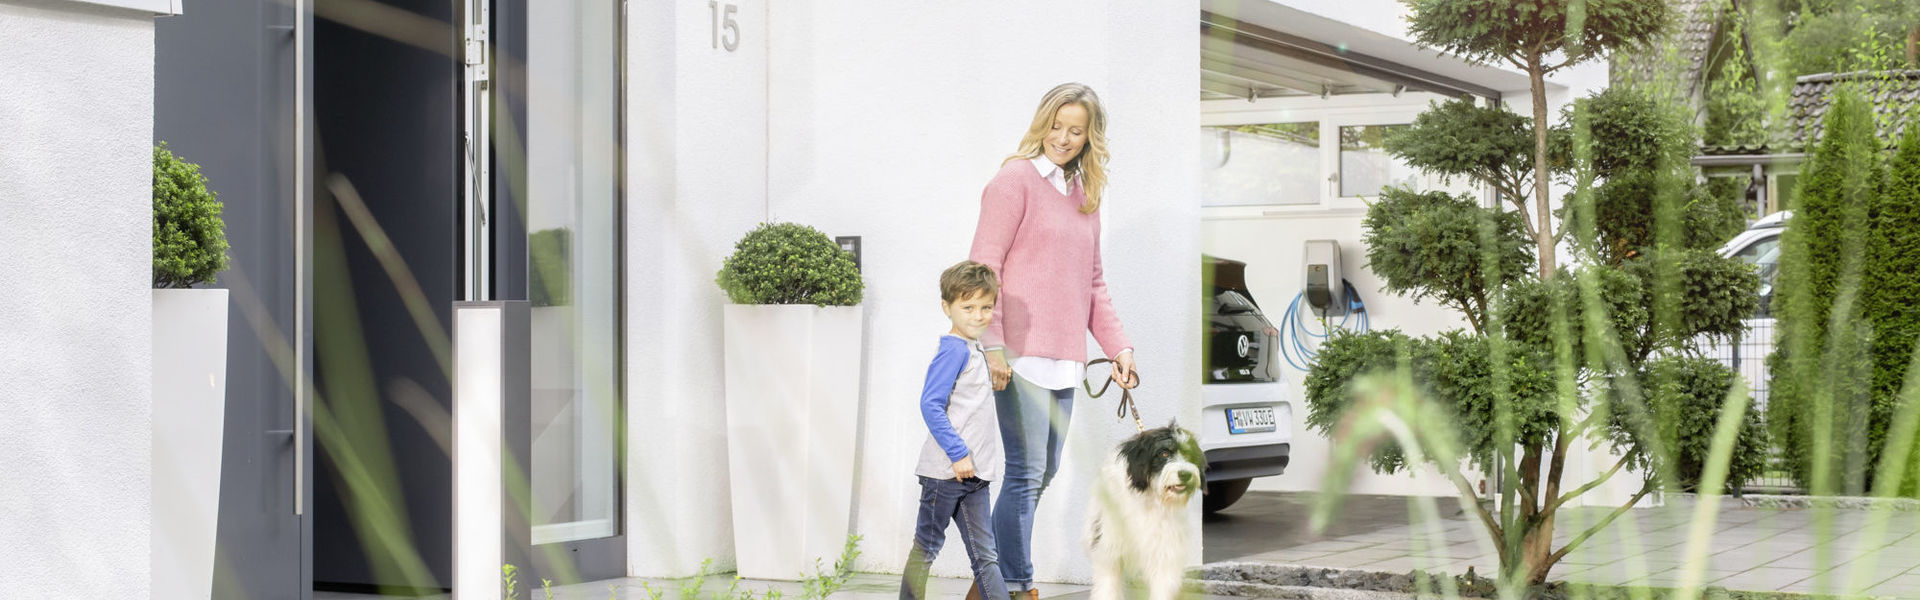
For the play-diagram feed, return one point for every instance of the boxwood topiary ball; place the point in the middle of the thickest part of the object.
(787, 263)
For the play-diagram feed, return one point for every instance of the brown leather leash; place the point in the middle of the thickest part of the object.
(1126, 395)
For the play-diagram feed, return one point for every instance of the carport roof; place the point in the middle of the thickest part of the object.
(1262, 49)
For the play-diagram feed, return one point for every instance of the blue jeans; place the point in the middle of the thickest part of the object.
(964, 501)
(1033, 423)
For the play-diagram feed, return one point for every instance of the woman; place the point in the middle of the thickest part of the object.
(1040, 232)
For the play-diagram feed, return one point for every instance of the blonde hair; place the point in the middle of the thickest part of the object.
(1091, 164)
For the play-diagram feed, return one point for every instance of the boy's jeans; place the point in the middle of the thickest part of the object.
(1033, 423)
(966, 502)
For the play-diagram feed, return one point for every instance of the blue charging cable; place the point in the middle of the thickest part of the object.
(1299, 340)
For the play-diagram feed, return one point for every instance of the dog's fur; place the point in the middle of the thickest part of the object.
(1137, 525)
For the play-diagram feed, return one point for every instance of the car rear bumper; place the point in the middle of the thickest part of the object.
(1247, 462)
(1244, 455)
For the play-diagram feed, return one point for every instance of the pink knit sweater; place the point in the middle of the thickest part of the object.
(1047, 255)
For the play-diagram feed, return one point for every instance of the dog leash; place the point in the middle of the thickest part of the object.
(1126, 395)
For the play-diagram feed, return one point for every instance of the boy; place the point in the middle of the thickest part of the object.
(961, 457)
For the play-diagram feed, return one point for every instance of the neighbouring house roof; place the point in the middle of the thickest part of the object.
(1682, 52)
(1894, 96)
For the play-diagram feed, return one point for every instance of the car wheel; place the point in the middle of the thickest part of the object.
(1222, 494)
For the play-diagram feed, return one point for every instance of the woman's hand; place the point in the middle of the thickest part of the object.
(998, 369)
(1123, 372)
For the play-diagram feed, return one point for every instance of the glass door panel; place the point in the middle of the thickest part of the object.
(573, 266)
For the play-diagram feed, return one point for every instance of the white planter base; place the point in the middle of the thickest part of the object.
(189, 416)
(793, 397)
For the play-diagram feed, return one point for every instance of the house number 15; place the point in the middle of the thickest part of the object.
(724, 20)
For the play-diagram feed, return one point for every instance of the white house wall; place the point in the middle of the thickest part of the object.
(696, 180)
(76, 115)
(885, 120)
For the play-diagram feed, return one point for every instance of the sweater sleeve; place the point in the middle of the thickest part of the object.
(941, 375)
(1102, 320)
(1002, 207)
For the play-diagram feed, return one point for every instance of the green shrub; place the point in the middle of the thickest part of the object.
(1891, 284)
(1686, 395)
(549, 267)
(786, 263)
(1818, 397)
(1434, 245)
(189, 239)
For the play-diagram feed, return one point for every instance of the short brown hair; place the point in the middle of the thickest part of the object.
(966, 279)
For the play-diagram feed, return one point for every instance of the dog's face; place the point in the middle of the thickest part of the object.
(1165, 461)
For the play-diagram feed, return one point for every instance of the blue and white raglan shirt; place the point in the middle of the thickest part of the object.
(957, 404)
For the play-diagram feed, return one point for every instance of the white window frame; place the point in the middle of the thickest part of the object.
(1331, 113)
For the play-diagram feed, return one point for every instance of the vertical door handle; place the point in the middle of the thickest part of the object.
(301, 204)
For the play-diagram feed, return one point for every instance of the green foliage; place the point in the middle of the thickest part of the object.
(1685, 395)
(1890, 285)
(1641, 155)
(818, 586)
(510, 576)
(1455, 369)
(1715, 212)
(1839, 37)
(786, 263)
(1735, 112)
(823, 583)
(1547, 354)
(1516, 30)
(549, 268)
(189, 238)
(1818, 396)
(1490, 145)
(1434, 245)
(1634, 132)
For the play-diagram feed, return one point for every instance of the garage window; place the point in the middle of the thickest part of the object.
(1365, 166)
(1262, 164)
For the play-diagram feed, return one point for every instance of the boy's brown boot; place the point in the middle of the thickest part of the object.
(973, 593)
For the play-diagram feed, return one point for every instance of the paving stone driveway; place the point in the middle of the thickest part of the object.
(1768, 549)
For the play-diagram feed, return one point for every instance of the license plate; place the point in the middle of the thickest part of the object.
(1250, 420)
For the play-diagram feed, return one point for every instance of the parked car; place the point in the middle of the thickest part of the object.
(1759, 246)
(1246, 422)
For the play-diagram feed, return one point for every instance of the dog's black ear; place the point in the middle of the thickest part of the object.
(1138, 452)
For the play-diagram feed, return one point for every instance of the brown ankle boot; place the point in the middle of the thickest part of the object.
(973, 593)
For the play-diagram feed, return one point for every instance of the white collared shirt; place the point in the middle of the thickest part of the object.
(1053, 174)
(1051, 373)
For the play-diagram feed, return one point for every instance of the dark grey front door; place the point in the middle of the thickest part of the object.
(387, 118)
(224, 97)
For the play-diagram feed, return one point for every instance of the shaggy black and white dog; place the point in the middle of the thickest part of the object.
(1137, 525)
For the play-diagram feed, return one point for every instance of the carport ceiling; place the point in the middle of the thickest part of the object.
(1244, 60)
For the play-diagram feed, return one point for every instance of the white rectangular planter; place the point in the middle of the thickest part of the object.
(793, 398)
(189, 414)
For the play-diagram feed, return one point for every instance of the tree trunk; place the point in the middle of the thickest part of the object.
(1538, 547)
(1542, 233)
(1913, 47)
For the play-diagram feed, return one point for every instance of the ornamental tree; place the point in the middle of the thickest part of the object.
(1600, 355)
